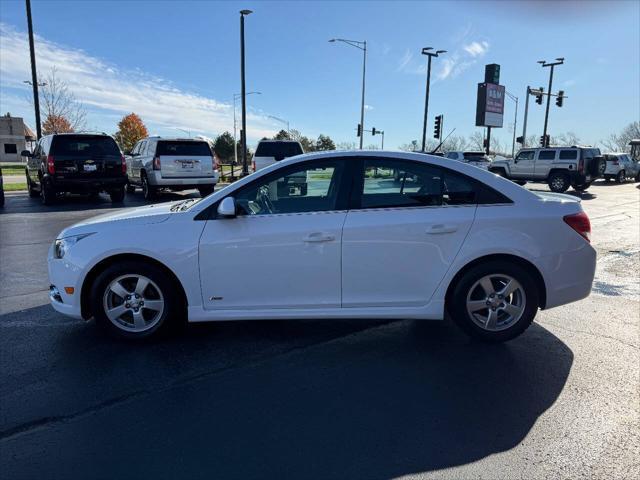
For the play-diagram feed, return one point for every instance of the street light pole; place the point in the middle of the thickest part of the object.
(362, 46)
(515, 123)
(526, 114)
(283, 121)
(559, 61)
(426, 51)
(235, 140)
(245, 166)
(34, 75)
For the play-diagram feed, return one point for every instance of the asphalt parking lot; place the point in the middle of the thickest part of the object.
(320, 399)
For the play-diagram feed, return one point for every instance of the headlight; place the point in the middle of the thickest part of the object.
(62, 245)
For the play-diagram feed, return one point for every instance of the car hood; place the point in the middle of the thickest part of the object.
(131, 216)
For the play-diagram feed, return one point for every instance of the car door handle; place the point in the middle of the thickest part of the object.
(441, 228)
(317, 237)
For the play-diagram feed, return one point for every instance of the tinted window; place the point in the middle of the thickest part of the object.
(474, 157)
(84, 145)
(312, 187)
(10, 148)
(279, 150)
(195, 149)
(546, 155)
(452, 155)
(394, 183)
(526, 155)
(568, 154)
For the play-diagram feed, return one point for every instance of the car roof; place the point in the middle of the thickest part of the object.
(175, 139)
(271, 140)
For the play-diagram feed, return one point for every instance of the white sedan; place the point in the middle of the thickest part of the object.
(356, 243)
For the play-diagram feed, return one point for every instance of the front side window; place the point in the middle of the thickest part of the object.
(546, 155)
(526, 155)
(311, 187)
(389, 183)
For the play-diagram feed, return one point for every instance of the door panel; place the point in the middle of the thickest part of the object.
(544, 162)
(523, 165)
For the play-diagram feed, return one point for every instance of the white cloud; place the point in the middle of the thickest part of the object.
(405, 60)
(108, 91)
(476, 49)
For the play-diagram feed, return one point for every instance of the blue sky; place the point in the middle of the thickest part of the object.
(177, 63)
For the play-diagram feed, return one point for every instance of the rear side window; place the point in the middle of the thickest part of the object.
(546, 155)
(84, 146)
(568, 154)
(186, 148)
(279, 150)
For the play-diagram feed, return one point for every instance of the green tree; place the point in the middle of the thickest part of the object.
(324, 142)
(282, 135)
(223, 147)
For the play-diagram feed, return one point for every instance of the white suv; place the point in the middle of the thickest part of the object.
(269, 152)
(620, 166)
(477, 159)
(171, 163)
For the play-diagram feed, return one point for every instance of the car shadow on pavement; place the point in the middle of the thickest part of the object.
(371, 400)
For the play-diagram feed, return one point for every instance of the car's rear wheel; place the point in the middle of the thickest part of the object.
(558, 182)
(495, 301)
(204, 191)
(620, 177)
(134, 300)
(148, 191)
(117, 195)
(47, 193)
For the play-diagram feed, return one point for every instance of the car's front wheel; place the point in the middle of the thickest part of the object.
(204, 191)
(134, 300)
(558, 182)
(494, 301)
(32, 191)
(620, 178)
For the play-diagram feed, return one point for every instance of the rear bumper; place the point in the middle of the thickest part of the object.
(156, 179)
(581, 178)
(568, 275)
(80, 185)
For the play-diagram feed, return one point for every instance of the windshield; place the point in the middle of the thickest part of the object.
(278, 149)
(177, 148)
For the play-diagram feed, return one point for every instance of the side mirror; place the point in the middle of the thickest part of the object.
(227, 207)
(26, 153)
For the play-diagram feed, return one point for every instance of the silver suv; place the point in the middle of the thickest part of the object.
(157, 163)
(559, 167)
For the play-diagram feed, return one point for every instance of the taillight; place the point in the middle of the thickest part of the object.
(253, 165)
(156, 163)
(581, 165)
(123, 163)
(580, 223)
(51, 166)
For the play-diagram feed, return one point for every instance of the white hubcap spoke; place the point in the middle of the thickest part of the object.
(115, 312)
(487, 286)
(153, 305)
(492, 320)
(476, 305)
(495, 310)
(118, 289)
(509, 288)
(512, 310)
(138, 319)
(141, 285)
(127, 298)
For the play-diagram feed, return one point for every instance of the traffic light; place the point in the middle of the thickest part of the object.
(544, 142)
(359, 130)
(373, 131)
(437, 129)
(560, 98)
(539, 96)
(520, 140)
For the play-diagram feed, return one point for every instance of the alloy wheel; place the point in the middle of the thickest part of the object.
(133, 303)
(496, 302)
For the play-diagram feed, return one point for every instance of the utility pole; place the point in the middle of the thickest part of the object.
(34, 75)
(243, 136)
(559, 61)
(427, 51)
(526, 113)
(515, 123)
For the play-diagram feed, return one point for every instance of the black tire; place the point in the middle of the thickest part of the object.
(457, 304)
(204, 191)
(47, 194)
(1, 197)
(637, 179)
(607, 179)
(148, 191)
(173, 306)
(582, 188)
(117, 195)
(558, 182)
(130, 188)
(33, 193)
(620, 177)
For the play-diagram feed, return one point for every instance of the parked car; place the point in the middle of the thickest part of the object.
(269, 152)
(559, 167)
(475, 158)
(158, 163)
(75, 163)
(1, 189)
(338, 251)
(620, 166)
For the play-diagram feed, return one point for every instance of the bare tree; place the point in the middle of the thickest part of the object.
(58, 102)
(620, 142)
(476, 140)
(455, 144)
(346, 146)
(567, 139)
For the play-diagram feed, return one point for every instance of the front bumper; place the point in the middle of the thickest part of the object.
(63, 273)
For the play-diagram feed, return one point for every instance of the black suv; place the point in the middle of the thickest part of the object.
(76, 163)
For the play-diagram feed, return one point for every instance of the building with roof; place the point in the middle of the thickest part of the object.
(15, 136)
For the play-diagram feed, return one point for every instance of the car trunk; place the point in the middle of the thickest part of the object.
(184, 159)
(86, 156)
